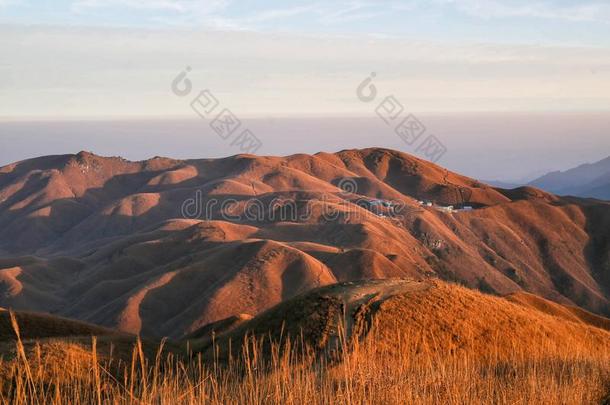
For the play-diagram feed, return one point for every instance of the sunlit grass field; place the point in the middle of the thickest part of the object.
(82, 371)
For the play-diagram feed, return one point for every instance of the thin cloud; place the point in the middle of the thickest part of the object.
(274, 14)
(323, 13)
(217, 14)
(350, 11)
(579, 11)
(253, 21)
(208, 14)
(6, 3)
(181, 6)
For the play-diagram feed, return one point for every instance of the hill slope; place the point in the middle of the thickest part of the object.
(418, 316)
(164, 247)
(405, 341)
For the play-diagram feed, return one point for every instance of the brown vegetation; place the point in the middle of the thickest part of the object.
(103, 239)
(423, 343)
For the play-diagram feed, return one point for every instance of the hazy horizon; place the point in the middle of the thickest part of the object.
(511, 147)
(511, 88)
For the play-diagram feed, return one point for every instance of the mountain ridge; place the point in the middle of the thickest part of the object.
(109, 241)
(586, 180)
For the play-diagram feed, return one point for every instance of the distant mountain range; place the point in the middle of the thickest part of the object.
(587, 180)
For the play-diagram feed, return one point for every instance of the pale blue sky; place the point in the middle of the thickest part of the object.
(116, 58)
(585, 22)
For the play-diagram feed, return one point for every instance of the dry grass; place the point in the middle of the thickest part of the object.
(59, 372)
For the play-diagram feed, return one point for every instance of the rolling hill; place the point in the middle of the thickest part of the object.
(415, 316)
(372, 341)
(164, 247)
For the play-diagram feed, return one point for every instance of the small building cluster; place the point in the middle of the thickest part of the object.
(445, 208)
(381, 203)
(377, 207)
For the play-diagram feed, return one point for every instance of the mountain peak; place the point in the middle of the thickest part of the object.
(272, 227)
(586, 180)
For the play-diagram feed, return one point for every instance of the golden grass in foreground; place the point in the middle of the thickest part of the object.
(59, 372)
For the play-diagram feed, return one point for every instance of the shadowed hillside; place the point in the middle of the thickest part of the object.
(429, 315)
(164, 247)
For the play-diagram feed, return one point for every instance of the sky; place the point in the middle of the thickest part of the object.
(81, 60)
(512, 147)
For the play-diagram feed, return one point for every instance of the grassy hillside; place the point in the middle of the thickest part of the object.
(394, 341)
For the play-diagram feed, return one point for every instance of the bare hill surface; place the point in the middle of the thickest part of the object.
(58, 341)
(412, 315)
(567, 312)
(38, 326)
(164, 247)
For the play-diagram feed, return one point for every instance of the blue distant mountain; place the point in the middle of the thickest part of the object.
(587, 180)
